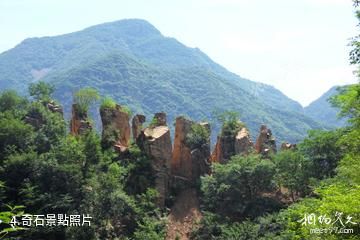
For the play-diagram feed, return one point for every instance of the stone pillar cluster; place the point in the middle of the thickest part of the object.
(183, 162)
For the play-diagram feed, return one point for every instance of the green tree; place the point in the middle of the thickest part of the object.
(322, 149)
(41, 91)
(294, 172)
(230, 121)
(234, 189)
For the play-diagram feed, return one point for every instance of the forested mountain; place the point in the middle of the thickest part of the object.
(131, 61)
(322, 111)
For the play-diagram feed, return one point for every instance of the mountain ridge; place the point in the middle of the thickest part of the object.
(133, 62)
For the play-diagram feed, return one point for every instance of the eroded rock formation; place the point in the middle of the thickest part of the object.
(116, 128)
(137, 125)
(155, 142)
(189, 162)
(228, 146)
(79, 122)
(243, 143)
(265, 143)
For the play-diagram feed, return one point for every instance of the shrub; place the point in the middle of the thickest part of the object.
(84, 98)
(198, 136)
(108, 102)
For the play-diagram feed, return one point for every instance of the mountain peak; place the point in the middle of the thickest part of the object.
(127, 27)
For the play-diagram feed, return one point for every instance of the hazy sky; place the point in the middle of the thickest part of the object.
(298, 46)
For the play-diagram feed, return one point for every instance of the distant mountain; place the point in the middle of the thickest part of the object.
(322, 111)
(134, 63)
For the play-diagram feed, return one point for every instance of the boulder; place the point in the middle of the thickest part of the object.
(79, 122)
(137, 124)
(265, 143)
(116, 128)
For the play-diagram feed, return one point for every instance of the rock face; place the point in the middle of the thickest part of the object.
(243, 143)
(116, 128)
(155, 142)
(228, 146)
(287, 146)
(79, 122)
(137, 122)
(189, 162)
(265, 143)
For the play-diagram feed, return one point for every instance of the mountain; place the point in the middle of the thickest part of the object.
(134, 63)
(322, 111)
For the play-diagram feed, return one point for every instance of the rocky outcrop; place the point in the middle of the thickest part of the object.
(137, 125)
(265, 143)
(36, 118)
(53, 107)
(243, 143)
(116, 128)
(155, 142)
(189, 162)
(228, 146)
(287, 146)
(79, 122)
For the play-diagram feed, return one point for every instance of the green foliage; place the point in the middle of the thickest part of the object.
(11, 101)
(6, 216)
(322, 149)
(126, 110)
(84, 98)
(108, 102)
(294, 172)
(41, 91)
(230, 122)
(151, 229)
(15, 135)
(234, 189)
(198, 136)
(50, 127)
(349, 102)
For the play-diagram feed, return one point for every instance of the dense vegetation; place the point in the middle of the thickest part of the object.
(134, 64)
(45, 170)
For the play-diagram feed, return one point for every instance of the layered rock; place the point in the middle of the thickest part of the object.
(137, 125)
(265, 143)
(79, 122)
(116, 128)
(155, 142)
(228, 146)
(189, 162)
